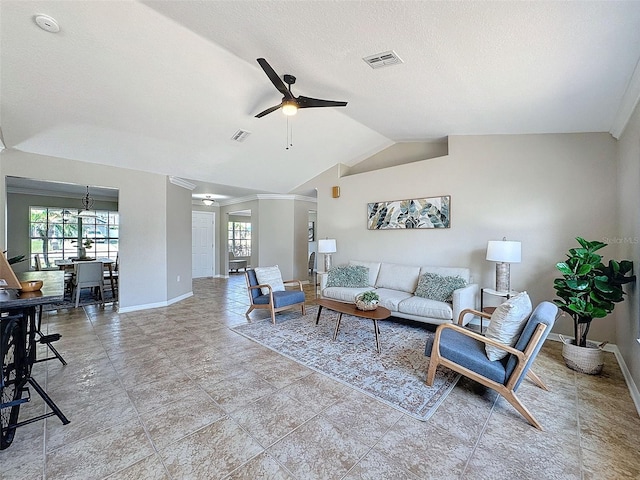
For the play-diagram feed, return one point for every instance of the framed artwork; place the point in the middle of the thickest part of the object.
(312, 231)
(431, 212)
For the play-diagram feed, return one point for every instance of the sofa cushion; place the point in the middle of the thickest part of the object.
(343, 294)
(437, 287)
(507, 321)
(423, 307)
(374, 269)
(461, 272)
(352, 276)
(398, 277)
(391, 298)
(269, 276)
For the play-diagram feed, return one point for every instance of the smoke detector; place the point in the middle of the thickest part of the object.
(47, 23)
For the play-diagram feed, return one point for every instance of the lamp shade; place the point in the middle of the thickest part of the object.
(505, 251)
(327, 245)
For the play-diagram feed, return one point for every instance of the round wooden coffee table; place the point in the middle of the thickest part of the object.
(380, 313)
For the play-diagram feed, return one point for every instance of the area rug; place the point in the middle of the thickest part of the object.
(86, 298)
(396, 376)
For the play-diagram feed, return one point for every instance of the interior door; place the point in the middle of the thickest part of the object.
(202, 244)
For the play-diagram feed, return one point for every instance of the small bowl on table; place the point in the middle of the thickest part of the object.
(31, 285)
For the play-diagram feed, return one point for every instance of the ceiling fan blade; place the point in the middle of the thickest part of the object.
(268, 111)
(275, 79)
(306, 102)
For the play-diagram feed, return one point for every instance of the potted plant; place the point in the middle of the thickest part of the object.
(588, 289)
(367, 300)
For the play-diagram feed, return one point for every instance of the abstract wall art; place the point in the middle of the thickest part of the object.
(431, 212)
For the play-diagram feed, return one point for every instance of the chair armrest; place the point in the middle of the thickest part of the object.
(481, 338)
(476, 313)
(297, 283)
(262, 285)
(463, 299)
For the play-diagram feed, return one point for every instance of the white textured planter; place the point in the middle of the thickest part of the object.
(589, 359)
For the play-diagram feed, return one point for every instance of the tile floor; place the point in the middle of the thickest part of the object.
(173, 393)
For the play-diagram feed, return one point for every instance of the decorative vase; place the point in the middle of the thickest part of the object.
(360, 305)
(82, 252)
(589, 359)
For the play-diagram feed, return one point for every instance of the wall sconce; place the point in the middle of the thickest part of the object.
(335, 192)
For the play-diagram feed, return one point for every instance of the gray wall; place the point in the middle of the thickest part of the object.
(628, 242)
(543, 190)
(179, 246)
(142, 204)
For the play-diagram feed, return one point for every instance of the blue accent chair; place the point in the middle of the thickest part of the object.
(462, 350)
(273, 301)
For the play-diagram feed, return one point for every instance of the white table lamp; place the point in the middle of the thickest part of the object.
(327, 246)
(504, 252)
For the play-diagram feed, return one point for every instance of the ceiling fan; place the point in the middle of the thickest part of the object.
(290, 104)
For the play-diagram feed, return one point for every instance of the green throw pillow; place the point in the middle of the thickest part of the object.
(437, 287)
(348, 276)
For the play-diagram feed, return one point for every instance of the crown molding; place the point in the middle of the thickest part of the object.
(266, 196)
(181, 182)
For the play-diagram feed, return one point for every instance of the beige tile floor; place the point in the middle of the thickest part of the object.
(174, 393)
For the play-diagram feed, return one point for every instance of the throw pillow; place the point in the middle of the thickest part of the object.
(437, 287)
(269, 276)
(507, 322)
(348, 276)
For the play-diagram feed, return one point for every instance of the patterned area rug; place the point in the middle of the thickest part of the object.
(86, 298)
(396, 376)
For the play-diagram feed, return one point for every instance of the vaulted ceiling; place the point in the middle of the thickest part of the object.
(162, 86)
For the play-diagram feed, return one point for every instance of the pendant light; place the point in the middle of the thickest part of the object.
(87, 205)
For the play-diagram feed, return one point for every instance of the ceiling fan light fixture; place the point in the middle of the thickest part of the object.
(289, 108)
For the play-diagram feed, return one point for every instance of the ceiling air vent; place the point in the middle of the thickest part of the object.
(384, 59)
(240, 136)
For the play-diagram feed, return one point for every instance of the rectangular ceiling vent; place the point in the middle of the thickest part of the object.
(384, 59)
(240, 136)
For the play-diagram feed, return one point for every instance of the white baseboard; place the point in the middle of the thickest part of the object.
(609, 347)
(147, 306)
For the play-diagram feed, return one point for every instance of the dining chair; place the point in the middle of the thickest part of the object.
(111, 276)
(88, 275)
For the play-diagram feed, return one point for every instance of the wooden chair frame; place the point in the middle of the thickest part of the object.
(270, 305)
(507, 390)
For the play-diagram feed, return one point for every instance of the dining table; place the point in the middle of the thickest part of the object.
(69, 264)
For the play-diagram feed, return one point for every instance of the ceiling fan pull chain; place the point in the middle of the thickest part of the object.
(287, 136)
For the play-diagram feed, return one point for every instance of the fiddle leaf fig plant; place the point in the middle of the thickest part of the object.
(589, 289)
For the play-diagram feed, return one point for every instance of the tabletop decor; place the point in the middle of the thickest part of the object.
(395, 376)
(431, 212)
(588, 289)
(367, 300)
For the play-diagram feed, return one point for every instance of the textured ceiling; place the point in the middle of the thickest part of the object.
(163, 85)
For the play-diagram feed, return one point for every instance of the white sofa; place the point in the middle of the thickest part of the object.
(396, 285)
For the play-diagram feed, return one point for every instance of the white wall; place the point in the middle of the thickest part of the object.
(628, 242)
(143, 218)
(543, 190)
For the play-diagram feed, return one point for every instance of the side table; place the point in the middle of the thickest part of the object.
(494, 293)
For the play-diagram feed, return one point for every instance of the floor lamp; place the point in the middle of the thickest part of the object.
(327, 246)
(504, 252)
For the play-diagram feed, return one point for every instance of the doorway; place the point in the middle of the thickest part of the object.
(202, 244)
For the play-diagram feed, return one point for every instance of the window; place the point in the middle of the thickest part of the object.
(55, 233)
(240, 239)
